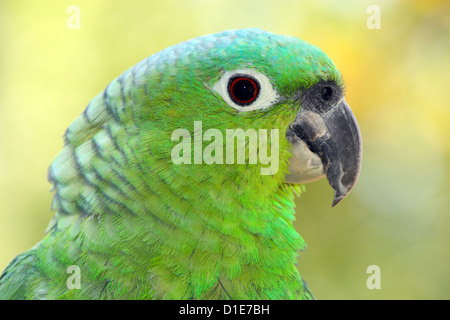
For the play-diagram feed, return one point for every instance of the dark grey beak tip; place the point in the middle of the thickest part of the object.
(338, 197)
(336, 200)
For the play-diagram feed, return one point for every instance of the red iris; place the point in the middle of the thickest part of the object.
(243, 90)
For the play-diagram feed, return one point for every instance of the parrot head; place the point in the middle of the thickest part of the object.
(184, 169)
(254, 80)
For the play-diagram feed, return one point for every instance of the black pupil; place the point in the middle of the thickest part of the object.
(243, 90)
(327, 93)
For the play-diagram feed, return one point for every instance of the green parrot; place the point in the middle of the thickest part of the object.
(178, 180)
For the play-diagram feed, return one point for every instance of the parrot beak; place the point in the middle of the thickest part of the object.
(326, 142)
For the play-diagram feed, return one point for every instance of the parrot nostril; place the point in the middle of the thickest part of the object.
(326, 93)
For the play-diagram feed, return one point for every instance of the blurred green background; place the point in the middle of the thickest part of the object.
(397, 80)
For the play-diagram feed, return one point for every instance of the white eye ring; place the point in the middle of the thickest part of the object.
(264, 98)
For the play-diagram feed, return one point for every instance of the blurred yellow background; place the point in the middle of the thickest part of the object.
(397, 80)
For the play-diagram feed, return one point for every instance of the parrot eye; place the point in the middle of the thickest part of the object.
(243, 89)
(246, 90)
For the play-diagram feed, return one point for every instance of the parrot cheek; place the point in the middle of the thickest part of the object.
(326, 142)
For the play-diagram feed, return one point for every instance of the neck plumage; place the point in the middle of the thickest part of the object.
(241, 246)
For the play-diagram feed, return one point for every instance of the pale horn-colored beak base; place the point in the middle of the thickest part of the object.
(304, 166)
